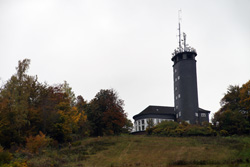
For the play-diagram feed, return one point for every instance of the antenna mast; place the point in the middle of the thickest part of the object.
(179, 28)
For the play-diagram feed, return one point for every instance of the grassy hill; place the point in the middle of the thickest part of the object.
(126, 151)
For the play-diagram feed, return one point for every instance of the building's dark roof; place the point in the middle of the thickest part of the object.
(203, 111)
(157, 110)
(162, 110)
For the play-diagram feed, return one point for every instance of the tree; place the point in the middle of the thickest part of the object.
(15, 102)
(150, 123)
(27, 107)
(68, 91)
(106, 114)
(233, 116)
(245, 99)
(128, 127)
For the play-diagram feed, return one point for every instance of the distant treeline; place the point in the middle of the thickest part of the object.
(31, 108)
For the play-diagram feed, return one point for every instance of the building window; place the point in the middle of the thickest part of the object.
(176, 97)
(142, 121)
(179, 77)
(179, 114)
(176, 115)
(203, 115)
(179, 95)
(175, 70)
(176, 107)
(142, 128)
(175, 79)
(196, 114)
(175, 88)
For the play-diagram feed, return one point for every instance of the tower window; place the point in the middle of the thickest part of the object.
(179, 77)
(179, 114)
(175, 88)
(196, 114)
(179, 95)
(175, 70)
(176, 107)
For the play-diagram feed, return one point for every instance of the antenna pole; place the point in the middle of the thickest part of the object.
(184, 39)
(179, 28)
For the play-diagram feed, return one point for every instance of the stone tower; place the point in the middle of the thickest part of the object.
(185, 82)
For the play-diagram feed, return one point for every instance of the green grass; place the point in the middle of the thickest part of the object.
(126, 151)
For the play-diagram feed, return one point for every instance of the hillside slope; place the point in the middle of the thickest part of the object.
(149, 151)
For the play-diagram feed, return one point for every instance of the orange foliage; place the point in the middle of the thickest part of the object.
(36, 143)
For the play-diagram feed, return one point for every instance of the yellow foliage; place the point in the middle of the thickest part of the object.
(75, 115)
(245, 96)
(72, 119)
(16, 164)
(34, 144)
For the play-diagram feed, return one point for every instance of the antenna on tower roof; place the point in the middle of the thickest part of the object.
(179, 28)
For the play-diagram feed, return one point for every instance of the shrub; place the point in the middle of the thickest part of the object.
(224, 133)
(165, 128)
(35, 144)
(169, 128)
(16, 164)
(5, 157)
(77, 143)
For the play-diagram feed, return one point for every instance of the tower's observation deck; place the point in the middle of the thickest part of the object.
(183, 52)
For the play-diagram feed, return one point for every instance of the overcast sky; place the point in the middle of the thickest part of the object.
(127, 45)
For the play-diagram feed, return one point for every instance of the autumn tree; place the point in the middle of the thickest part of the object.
(27, 107)
(234, 113)
(105, 113)
(15, 101)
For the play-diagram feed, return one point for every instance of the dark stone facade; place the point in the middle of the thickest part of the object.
(185, 87)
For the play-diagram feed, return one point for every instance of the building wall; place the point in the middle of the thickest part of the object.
(185, 87)
(142, 124)
(203, 117)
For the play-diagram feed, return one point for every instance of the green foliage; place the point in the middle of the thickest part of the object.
(128, 127)
(150, 151)
(224, 133)
(5, 157)
(170, 128)
(234, 113)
